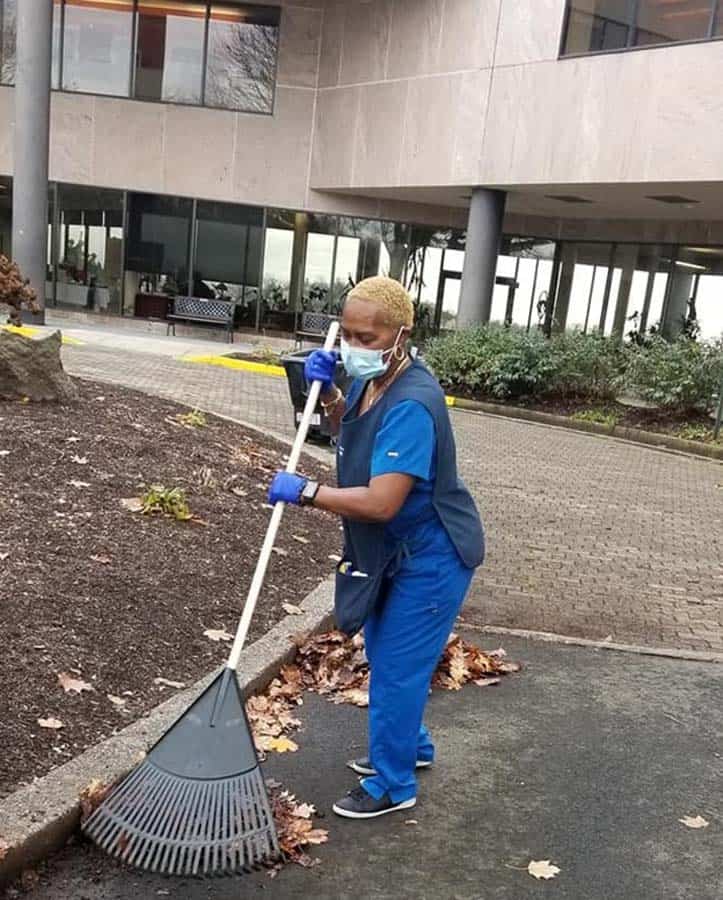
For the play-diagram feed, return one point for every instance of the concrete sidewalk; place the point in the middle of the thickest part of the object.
(587, 758)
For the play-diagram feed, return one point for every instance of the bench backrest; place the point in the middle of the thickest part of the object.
(316, 323)
(199, 307)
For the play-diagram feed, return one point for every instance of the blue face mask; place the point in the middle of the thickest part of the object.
(366, 364)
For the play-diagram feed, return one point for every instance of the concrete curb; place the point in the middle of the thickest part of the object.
(39, 818)
(633, 435)
(553, 638)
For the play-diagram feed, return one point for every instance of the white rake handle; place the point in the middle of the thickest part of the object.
(271, 532)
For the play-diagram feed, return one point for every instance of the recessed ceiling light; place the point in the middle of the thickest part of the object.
(568, 198)
(673, 199)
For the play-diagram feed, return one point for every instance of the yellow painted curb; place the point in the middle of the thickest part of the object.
(29, 332)
(243, 364)
(450, 401)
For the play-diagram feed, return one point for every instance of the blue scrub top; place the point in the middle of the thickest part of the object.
(406, 444)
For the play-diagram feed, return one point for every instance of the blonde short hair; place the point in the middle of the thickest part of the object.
(389, 296)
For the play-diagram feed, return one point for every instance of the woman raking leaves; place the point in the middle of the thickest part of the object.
(412, 533)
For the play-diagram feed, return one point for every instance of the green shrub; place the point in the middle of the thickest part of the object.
(682, 376)
(693, 432)
(169, 501)
(510, 363)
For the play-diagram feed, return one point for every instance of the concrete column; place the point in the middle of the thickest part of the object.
(298, 261)
(562, 301)
(676, 307)
(484, 234)
(32, 127)
(627, 257)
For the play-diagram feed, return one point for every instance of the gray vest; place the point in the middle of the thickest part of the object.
(367, 546)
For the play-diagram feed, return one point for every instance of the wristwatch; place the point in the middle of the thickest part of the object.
(308, 495)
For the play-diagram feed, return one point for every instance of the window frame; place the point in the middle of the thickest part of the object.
(131, 82)
(716, 15)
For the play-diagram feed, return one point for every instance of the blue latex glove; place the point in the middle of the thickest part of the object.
(286, 488)
(321, 366)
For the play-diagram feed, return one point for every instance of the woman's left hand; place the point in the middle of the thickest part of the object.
(286, 488)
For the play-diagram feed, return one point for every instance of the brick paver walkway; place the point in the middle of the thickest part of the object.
(588, 536)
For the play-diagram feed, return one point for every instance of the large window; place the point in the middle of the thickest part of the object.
(212, 54)
(97, 40)
(169, 51)
(598, 25)
(241, 60)
(89, 248)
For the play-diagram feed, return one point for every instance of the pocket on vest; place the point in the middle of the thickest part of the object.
(355, 597)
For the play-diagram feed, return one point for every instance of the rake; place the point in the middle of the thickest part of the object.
(197, 804)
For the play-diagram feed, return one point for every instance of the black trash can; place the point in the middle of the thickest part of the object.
(319, 429)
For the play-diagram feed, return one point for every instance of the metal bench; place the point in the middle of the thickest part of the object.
(314, 327)
(205, 312)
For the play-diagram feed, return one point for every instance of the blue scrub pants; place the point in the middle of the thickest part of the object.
(404, 640)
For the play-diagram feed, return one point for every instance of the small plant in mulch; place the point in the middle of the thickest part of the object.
(168, 501)
(193, 419)
(598, 416)
(694, 432)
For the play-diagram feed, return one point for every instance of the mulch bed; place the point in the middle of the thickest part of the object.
(657, 420)
(115, 598)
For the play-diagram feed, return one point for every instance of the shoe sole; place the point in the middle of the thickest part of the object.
(349, 814)
(360, 770)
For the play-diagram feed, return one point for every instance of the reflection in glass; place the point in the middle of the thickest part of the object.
(8, 15)
(97, 46)
(227, 260)
(597, 25)
(699, 273)
(319, 264)
(241, 65)
(55, 64)
(89, 245)
(157, 248)
(663, 21)
(6, 212)
(169, 50)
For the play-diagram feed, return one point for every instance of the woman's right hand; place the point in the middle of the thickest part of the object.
(321, 366)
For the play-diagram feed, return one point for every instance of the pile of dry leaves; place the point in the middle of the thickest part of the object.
(294, 826)
(334, 666)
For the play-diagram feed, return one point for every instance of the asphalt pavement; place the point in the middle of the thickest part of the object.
(587, 758)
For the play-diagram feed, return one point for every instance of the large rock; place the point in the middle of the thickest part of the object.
(32, 368)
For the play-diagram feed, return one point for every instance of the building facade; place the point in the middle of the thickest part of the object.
(543, 162)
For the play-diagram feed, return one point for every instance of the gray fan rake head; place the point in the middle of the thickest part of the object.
(197, 804)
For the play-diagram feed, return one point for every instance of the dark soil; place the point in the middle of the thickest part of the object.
(118, 598)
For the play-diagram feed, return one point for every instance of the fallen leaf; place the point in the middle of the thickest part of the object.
(697, 822)
(72, 440)
(240, 492)
(73, 685)
(217, 634)
(4, 847)
(91, 797)
(132, 504)
(167, 683)
(51, 723)
(486, 682)
(80, 460)
(292, 610)
(542, 868)
(411, 822)
(282, 745)
(334, 557)
(4, 556)
(79, 484)
(301, 540)
(305, 810)
(4, 453)
(280, 551)
(116, 701)
(102, 560)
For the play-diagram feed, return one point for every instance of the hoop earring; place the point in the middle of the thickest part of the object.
(399, 353)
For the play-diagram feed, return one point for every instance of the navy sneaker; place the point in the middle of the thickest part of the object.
(359, 805)
(363, 766)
